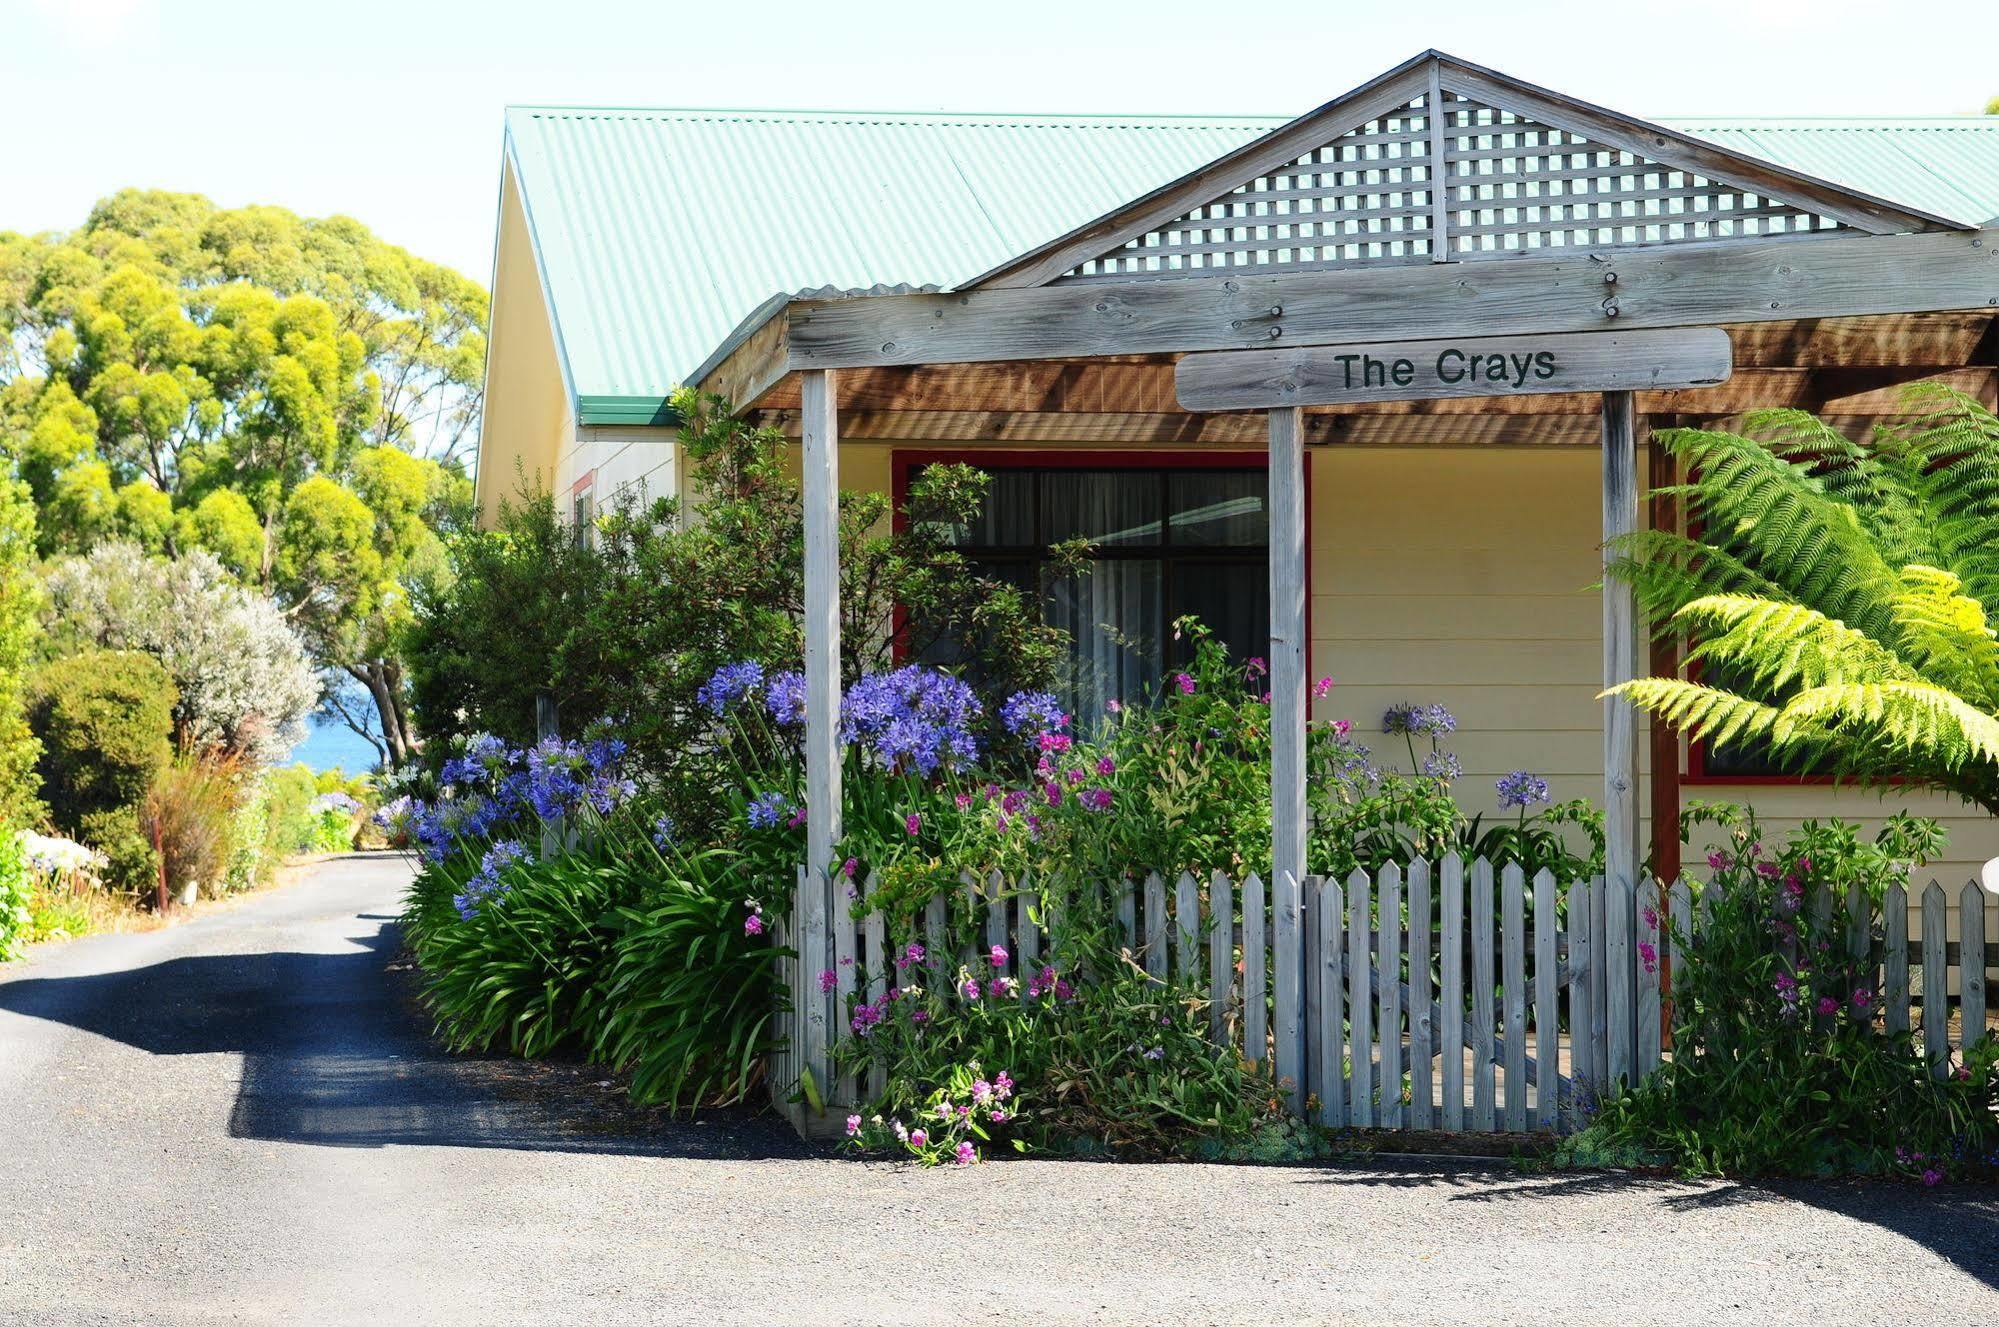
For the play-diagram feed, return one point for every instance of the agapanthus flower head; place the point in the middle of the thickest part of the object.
(1521, 789)
(1418, 720)
(784, 697)
(767, 809)
(729, 684)
(913, 719)
(664, 831)
(1442, 765)
(1032, 712)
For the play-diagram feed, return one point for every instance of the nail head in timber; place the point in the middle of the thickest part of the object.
(1462, 366)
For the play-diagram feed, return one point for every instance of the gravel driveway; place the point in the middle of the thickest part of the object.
(239, 1120)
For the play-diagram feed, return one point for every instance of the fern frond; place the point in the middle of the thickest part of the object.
(1666, 571)
(1779, 646)
(1914, 721)
(1946, 635)
(1780, 519)
(1703, 712)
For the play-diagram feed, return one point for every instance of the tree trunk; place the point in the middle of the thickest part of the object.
(383, 678)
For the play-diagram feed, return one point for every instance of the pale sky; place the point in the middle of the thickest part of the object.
(389, 110)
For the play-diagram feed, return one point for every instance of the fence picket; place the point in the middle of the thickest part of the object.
(1027, 933)
(1221, 954)
(1680, 907)
(1547, 998)
(1254, 1025)
(1388, 983)
(1512, 928)
(1618, 978)
(1187, 928)
(1155, 926)
(1895, 959)
(1647, 1049)
(1422, 1001)
(1971, 962)
(1583, 963)
(810, 910)
(997, 908)
(1599, 990)
(875, 956)
(934, 938)
(1285, 944)
(1451, 954)
(1360, 1000)
(1127, 914)
(1481, 995)
(1329, 958)
(1936, 974)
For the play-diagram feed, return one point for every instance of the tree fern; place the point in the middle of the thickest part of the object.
(1846, 590)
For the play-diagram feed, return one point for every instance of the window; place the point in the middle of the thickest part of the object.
(583, 516)
(1184, 541)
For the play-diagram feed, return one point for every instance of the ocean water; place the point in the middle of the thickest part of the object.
(331, 744)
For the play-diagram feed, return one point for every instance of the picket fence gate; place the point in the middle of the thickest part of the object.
(1453, 997)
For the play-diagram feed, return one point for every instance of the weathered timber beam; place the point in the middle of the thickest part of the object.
(1735, 281)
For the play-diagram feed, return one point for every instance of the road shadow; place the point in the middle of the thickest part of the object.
(336, 1053)
(1959, 1223)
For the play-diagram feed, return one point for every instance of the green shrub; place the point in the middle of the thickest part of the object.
(104, 720)
(15, 890)
(1780, 1061)
(131, 864)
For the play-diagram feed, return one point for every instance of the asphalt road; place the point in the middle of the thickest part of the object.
(240, 1120)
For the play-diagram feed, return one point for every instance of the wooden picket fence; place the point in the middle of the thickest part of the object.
(1448, 996)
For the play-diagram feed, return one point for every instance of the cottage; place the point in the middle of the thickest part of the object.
(1050, 297)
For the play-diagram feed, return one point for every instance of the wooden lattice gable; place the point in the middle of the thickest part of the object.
(1440, 160)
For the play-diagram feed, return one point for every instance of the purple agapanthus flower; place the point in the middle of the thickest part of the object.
(785, 698)
(1521, 789)
(767, 809)
(1032, 712)
(1418, 720)
(730, 683)
(913, 719)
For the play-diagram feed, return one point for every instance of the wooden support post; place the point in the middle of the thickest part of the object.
(1665, 662)
(1287, 643)
(1620, 721)
(821, 439)
(1287, 727)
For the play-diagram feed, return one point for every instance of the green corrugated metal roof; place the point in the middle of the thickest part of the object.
(658, 231)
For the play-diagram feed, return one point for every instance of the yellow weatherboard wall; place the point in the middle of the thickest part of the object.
(527, 412)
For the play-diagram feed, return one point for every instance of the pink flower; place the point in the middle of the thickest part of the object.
(1114, 706)
(917, 1138)
(962, 800)
(1717, 861)
(753, 925)
(1341, 727)
(1076, 776)
(1932, 1177)
(1322, 688)
(1000, 1117)
(913, 823)
(1106, 766)
(1862, 998)
(853, 1125)
(1649, 955)
(944, 1111)
(1651, 918)
(912, 954)
(970, 988)
(1828, 1005)
(1056, 741)
(901, 1132)
(1002, 1085)
(1256, 667)
(967, 1154)
(999, 956)
(1053, 792)
(850, 866)
(1185, 683)
(827, 981)
(797, 819)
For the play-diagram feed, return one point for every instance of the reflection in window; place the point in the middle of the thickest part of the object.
(1169, 543)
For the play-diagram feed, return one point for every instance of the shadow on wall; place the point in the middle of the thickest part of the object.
(1959, 1223)
(334, 1053)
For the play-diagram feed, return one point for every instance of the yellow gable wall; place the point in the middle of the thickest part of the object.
(526, 419)
(1463, 576)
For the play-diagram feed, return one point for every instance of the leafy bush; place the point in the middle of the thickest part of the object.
(1780, 1061)
(628, 627)
(20, 593)
(104, 719)
(243, 680)
(15, 893)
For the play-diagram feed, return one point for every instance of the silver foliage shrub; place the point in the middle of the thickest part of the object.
(246, 682)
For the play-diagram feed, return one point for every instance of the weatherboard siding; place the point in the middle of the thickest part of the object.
(526, 421)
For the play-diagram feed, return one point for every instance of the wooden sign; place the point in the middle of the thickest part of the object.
(1633, 361)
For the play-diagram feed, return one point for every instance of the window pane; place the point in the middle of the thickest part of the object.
(1219, 507)
(1115, 508)
(1232, 599)
(1111, 611)
(1006, 520)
